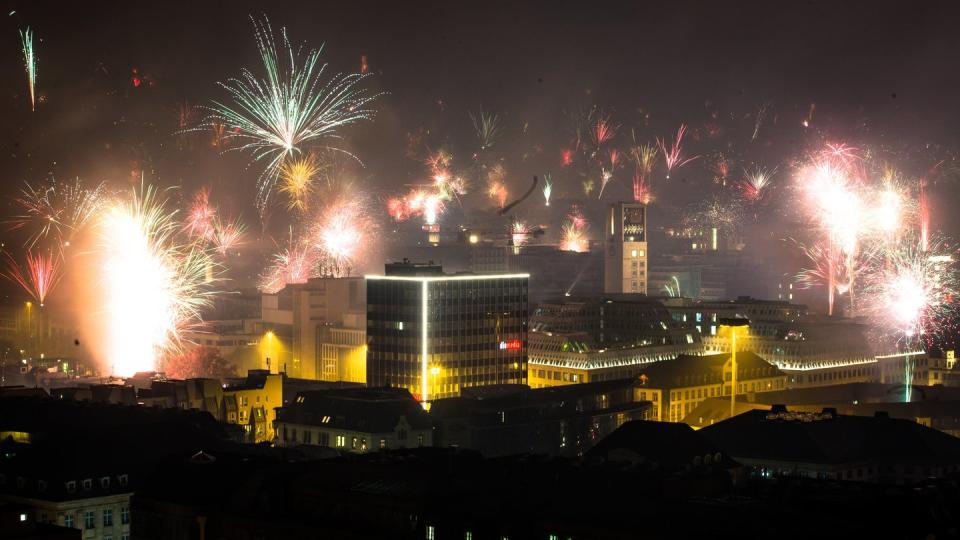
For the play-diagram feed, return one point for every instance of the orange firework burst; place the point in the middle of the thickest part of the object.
(297, 181)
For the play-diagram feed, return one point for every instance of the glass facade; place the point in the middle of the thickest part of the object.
(435, 335)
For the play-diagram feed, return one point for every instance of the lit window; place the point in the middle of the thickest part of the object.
(23, 517)
(431, 533)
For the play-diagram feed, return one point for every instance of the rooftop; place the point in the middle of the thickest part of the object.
(367, 410)
(661, 444)
(829, 438)
(692, 370)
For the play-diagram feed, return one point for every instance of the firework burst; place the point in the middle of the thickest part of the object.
(293, 105)
(227, 235)
(757, 182)
(341, 235)
(153, 285)
(519, 233)
(913, 291)
(602, 131)
(30, 65)
(547, 188)
(645, 157)
(58, 210)
(200, 216)
(42, 274)
(293, 264)
(297, 177)
(574, 234)
(606, 175)
(673, 157)
(487, 128)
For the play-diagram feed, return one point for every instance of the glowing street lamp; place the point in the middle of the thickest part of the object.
(269, 335)
(734, 325)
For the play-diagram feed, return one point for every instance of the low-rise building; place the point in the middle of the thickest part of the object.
(664, 446)
(827, 445)
(249, 403)
(20, 522)
(76, 463)
(515, 419)
(354, 420)
(676, 387)
(933, 406)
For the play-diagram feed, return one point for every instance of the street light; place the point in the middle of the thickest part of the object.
(733, 324)
(269, 336)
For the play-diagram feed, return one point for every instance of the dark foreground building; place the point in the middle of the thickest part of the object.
(436, 334)
(441, 494)
(826, 445)
(557, 421)
(76, 464)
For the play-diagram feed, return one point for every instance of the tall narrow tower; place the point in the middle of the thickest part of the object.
(625, 249)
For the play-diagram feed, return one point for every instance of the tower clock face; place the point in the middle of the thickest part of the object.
(634, 224)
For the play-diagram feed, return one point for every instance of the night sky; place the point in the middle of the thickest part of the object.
(114, 76)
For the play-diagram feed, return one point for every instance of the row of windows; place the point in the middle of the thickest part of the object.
(559, 375)
(90, 518)
(342, 441)
(87, 483)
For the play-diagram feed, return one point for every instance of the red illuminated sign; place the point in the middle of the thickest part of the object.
(512, 345)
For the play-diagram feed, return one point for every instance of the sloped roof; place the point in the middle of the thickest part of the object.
(691, 370)
(367, 410)
(829, 438)
(668, 444)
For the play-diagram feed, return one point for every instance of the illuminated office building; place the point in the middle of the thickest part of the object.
(578, 340)
(625, 249)
(435, 334)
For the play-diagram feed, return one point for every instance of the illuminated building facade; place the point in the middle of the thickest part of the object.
(600, 339)
(625, 249)
(249, 403)
(676, 387)
(324, 319)
(355, 420)
(435, 334)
